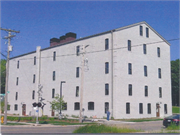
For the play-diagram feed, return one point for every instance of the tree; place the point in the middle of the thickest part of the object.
(175, 82)
(3, 75)
(58, 103)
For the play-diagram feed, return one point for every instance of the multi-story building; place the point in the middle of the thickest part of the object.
(126, 71)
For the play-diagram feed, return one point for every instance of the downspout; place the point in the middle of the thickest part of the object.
(112, 74)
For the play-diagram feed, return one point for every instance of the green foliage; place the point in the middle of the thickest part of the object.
(11, 118)
(175, 109)
(43, 117)
(103, 129)
(57, 103)
(175, 82)
(74, 116)
(173, 126)
(2, 107)
(3, 75)
(52, 118)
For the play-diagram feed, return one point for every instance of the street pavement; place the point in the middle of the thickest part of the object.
(147, 127)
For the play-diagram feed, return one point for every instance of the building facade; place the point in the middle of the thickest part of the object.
(126, 71)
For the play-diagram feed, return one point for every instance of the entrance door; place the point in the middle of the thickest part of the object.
(52, 113)
(157, 110)
(24, 109)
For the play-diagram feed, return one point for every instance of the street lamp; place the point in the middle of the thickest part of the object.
(61, 94)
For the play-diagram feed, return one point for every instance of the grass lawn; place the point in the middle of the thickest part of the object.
(11, 124)
(173, 127)
(141, 119)
(103, 129)
(175, 109)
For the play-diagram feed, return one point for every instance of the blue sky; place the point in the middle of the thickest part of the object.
(38, 21)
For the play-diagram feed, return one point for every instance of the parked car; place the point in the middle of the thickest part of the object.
(171, 119)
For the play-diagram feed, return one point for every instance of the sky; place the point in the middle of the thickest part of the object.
(39, 21)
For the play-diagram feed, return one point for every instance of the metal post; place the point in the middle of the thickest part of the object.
(61, 96)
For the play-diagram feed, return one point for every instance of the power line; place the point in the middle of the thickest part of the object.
(150, 43)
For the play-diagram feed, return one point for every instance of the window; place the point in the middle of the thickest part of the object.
(90, 105)
(53, 93)
(33, 94)
(159, 72)
(54, 75)
(145, 71)
(106, 67)
(77, 72)
(64, 106)
(160, 92)
(147, 32)
(77, 91)
(141, 30)
(76, 106)
(34, 78)
(106, 44)
(129, 45)
(141, 108)
(127, 108)
(106, 89)
(165, 108)
(15, 107)
(146, 91)
(18, 64)
(149, 108)
(16, 96)
(77, 50)
(17, 80)
(144, 49)
(54, 56)
(130, 89)
(129, 68)
(106, 107)
(158, 52)
(34, 60)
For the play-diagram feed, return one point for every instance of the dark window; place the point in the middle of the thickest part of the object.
(144, 49)
(18, 64)
(160, 92)
(106, 89)
(77, 72)
(34, 78)
(106, 44)
(146, 91)
(149, 108)
(165, 108)
(54, 56)
(130, 89)
(16, 96)
(159, 72)
(106, 107)
(34, 60)
(77, 50)
(127, 108)
(141, 108)
(106, 67)
(141, 30)
(158, 52)
(33, 94)
(129, 45)
(147, 32)
(15, 107)
(53, 93)
(76, 106)
(54, 75)
(145, 71)
(90, 105)
(17, 80)
(64, 106)
(129, 68)
(77, 91)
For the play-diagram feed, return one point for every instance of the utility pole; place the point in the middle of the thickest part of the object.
(82, 84)
(7, 69)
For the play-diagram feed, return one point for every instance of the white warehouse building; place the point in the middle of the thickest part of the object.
(126, 71)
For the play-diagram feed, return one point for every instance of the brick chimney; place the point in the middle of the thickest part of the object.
(63, 39)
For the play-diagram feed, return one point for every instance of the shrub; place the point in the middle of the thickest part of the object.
(51, 118)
